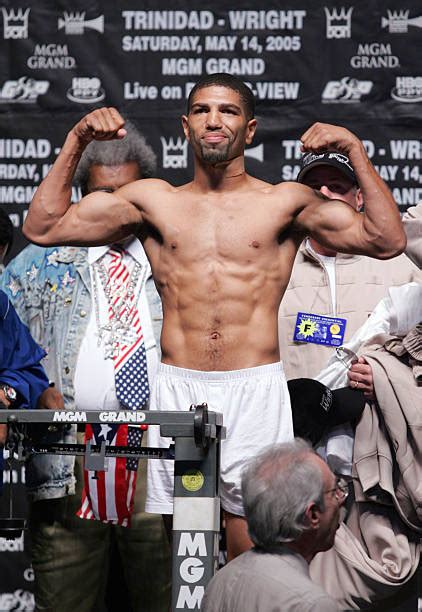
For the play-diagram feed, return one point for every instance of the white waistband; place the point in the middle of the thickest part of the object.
(217, 375)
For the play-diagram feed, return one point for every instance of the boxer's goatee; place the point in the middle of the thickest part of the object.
(214, 156)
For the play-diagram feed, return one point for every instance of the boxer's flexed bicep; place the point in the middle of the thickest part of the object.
(98, 218)
(332, 223)
(378, 232)
(101, 217)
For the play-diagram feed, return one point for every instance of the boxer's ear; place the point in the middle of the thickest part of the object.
(185, 126)
(250, 131)
(359, 199)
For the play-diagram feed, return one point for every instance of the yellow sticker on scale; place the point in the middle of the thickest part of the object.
(193, 480)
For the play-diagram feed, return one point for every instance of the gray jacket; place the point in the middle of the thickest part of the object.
(266, 582)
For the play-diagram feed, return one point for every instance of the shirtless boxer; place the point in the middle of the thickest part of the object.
(221, 249)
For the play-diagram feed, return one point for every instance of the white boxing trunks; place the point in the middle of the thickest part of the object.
(255, 404)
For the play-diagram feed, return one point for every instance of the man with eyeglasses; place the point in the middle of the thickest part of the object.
(330, 294)
(292, 503)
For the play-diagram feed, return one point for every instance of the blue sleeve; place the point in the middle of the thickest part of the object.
(19, 357)
(11, 284)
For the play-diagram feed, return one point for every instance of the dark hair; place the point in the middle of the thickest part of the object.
(132, 148)
(6, 230)
(222, 79)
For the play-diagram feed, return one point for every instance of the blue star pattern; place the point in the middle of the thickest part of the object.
(134, 438)
(132, 390)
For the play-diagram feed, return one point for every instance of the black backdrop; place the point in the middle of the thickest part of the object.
(354, 64)
(357, 64)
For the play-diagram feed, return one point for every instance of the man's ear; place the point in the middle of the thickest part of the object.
(250, 131)
(185, 127)
(312, 516)
(359, 200)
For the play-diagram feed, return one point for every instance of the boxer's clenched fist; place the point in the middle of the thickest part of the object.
(324, 136)
(101, 124)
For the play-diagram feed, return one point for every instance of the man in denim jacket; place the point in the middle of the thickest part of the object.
(52, 291)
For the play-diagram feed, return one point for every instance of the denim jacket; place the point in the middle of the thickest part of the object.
(50, 289)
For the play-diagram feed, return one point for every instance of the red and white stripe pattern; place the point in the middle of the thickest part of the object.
(130, 362)
(108, 496)
(118, 277)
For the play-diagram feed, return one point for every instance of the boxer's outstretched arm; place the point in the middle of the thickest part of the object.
(378, 231)
(98, 218)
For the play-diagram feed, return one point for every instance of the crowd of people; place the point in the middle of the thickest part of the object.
(274, 304)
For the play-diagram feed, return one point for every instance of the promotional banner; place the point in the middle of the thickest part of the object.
(332, 62)
(352, 63)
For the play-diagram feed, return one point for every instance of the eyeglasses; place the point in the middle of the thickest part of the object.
(346, 356)
(341, 489)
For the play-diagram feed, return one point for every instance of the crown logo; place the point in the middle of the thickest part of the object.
(338, 15)
(172, 144)
(398, 15)
(19, 18)
(69, 16)
(339, 22)
(175, 152)
(397, 21)
(15, 23)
